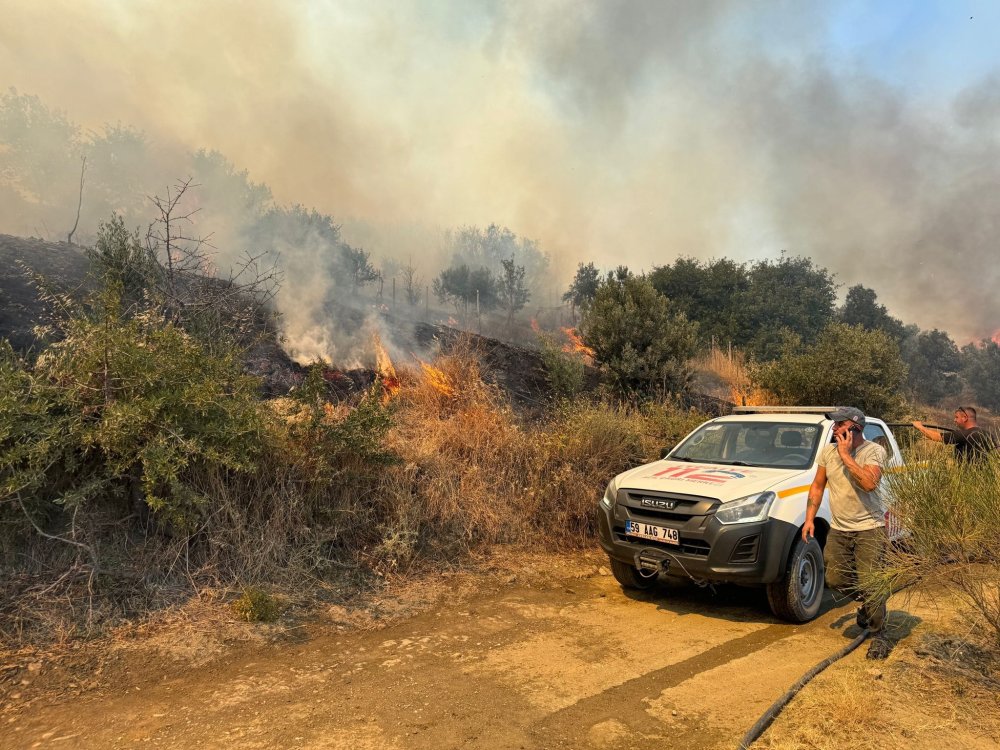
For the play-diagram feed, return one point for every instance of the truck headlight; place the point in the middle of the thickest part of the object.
(608, 501)
(746, 509)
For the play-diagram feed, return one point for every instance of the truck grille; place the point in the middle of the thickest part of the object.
(686, 513)
(666, 506)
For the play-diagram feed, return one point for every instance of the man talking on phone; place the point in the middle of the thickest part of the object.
(852, 469)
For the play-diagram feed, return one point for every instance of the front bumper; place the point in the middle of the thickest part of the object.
(746, 553)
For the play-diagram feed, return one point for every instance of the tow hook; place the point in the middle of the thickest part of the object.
(652, 561)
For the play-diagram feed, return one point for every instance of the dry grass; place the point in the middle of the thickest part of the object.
(900, 707)
(731, 370)
(472, 473)
(940, 686)
(913, 700)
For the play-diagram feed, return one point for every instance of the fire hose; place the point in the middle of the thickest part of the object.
(771, 713)
(929, 426)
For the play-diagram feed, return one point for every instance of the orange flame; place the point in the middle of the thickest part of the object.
(575, 344)
(438, 380)
(995, 338)
(385, 369)
(535, 327)
(747, 394)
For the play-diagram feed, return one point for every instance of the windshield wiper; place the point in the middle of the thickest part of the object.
(708, 461)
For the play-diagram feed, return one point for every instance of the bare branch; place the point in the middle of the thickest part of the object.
(81, 545)
(79, 205)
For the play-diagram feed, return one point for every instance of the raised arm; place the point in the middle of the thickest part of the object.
(929, 433)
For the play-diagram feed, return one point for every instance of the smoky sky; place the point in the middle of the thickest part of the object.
(626, 131)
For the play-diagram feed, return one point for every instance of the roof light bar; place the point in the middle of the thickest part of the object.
(784, 409)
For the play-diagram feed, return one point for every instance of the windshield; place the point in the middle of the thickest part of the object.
(783, 445)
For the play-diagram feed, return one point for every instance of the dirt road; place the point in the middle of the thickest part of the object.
(560, 659)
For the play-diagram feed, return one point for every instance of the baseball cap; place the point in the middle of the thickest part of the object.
(847, 414)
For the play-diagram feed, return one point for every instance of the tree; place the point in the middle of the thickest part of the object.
(357, 267)
(710, 294)
(488, 248)
(297, 230)
(463, 287)
(124, 405)
(40, 151)
(981, 370)
(121, 260)
(638, 337)
(118, 174)
(513, 294)
(226, 190)
(412, 284)
(862, 309)
(788, 295)
(934, 363)
(220, 310)
(233, 204)
(846, 365)
(583, 287)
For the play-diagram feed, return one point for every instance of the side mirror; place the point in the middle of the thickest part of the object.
(664, 452)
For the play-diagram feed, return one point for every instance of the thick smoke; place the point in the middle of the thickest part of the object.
(615, 131)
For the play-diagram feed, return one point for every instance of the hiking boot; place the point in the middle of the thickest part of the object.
(861, 619)
(865, 622)
(878, 649)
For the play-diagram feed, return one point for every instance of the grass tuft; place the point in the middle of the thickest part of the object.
(256, 605)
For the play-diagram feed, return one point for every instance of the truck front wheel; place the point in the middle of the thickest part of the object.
(797, 596)
(630, 577)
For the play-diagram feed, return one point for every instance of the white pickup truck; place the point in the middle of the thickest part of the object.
(727, 505)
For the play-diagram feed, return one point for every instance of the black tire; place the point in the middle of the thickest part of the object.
(798, 595)
(630, 578)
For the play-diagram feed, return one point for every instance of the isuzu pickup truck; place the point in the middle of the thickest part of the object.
(727, 505)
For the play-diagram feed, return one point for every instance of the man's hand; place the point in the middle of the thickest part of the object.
(808, 530)
(934, 435)
(813, 501)
(845, 441)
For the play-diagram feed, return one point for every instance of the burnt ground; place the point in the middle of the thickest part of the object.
(517, 371)
(64, 266)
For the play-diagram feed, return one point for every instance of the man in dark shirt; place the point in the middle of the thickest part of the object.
(970, 441)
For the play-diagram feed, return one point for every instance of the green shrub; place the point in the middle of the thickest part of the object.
(846, 365)
(124, 407)
(639, 337)
(256, 605)
(564, 371)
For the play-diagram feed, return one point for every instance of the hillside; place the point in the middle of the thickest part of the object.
(64, 266)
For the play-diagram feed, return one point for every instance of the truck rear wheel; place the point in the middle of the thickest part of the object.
(797, 596)
(630, 577)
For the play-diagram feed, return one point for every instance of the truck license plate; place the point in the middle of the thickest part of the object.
(648, 531)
